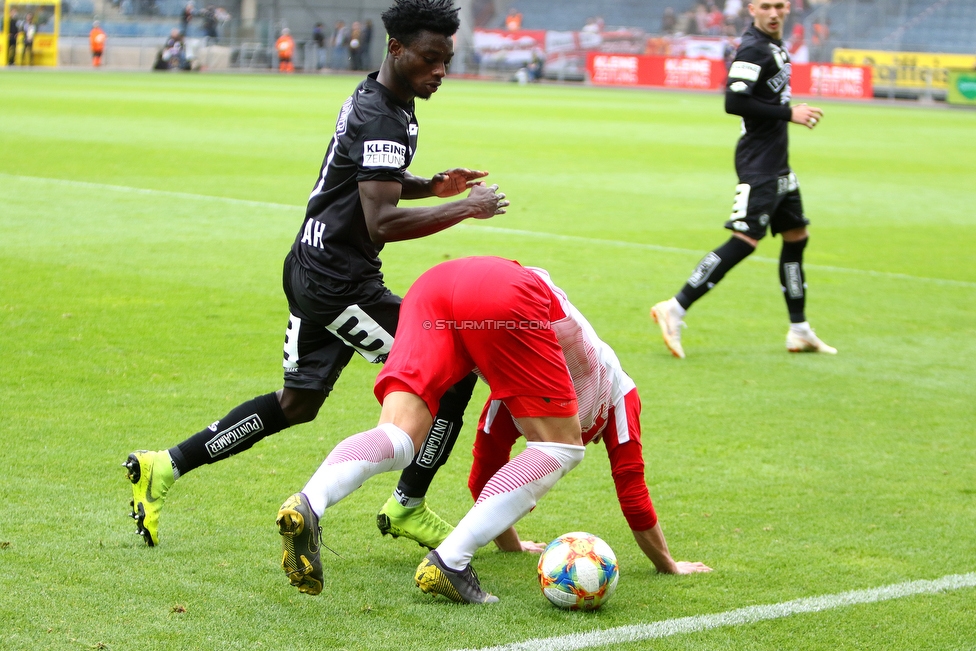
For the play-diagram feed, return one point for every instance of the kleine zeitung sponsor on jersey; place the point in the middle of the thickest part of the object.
(384, 153)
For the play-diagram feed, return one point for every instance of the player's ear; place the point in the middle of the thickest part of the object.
(394, 47)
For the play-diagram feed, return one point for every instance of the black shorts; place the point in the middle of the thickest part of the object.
(329, 321)
(774, 202)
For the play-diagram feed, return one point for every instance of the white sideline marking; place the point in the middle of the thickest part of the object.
(740, 616)
(490, 229)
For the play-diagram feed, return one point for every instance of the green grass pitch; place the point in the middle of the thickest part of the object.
(143, 222)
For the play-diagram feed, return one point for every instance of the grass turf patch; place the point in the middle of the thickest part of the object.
(144, 220)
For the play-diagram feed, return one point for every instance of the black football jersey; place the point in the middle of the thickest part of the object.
(761, 68)
(375, 139)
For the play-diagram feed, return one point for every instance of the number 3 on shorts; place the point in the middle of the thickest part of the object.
(740, 206)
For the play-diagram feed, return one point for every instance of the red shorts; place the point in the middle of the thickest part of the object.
(482, 312)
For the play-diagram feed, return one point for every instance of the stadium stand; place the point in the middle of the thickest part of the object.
(908, 25)
(572, 14)
(911, 25)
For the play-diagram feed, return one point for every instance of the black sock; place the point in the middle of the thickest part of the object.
(415, 478)
(712, 269)
(244, 426)
(793, 280)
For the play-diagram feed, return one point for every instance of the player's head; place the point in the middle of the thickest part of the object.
(95, 23)
(769, 16)
(285, 31)
(406, 19)
(420, 47)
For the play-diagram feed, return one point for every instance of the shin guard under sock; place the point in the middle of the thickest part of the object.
(793, 280)
(712, 269)
(416, 478)
(244, 426)
(385, 447)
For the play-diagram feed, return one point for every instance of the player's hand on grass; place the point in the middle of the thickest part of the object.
(533, 547)
(808, 116)
(509, 541)
(454, 182)
(691, 567)
(489, 200)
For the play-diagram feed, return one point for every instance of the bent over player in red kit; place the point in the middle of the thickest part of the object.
(609, 409)
(484, 314)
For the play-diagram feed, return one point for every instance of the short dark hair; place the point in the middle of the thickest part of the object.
(407, 18)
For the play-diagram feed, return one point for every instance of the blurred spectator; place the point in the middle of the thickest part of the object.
(12, 30)
(29, 29)
(285, 46)
(732, 41)
(356, 46)
(701, 18)
(716, 20)
(819, 37)
(536, 66)
(658, 45)
(687, 23)
(745, 18)
(96, 39)
(799, 53)
(668, 21)
(732, 10)
(340, 42)
(222, 17)
(173, 54)
(513, 21)
(367, 39)
(186, 17)
(210, 23)
(318, 37)
(594, 25)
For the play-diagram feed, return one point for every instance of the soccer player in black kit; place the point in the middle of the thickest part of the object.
(768, 195)
(337, 301)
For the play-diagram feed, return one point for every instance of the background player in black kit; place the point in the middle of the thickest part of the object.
(768, 195)
(336, 297)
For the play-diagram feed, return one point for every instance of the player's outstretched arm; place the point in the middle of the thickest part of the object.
(655, 547)
(388, 222)
(445, 184)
